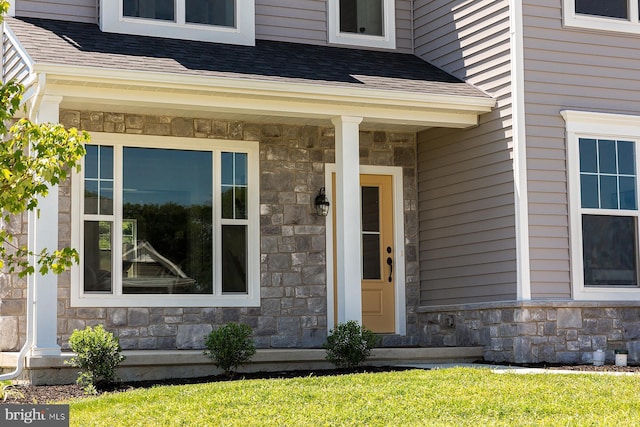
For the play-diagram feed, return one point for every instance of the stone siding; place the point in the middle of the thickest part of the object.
(536, 332)
(293, 309)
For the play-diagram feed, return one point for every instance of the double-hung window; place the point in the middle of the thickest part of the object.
(224, 21)
(164, 222)
(602, 155)
(368, 23)
(608, 15)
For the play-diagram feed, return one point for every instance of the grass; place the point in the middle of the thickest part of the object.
(447, 397)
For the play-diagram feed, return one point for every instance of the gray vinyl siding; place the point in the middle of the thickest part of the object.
(465, 177)
(64, 10)
(297, 21)
(565, 69)
(305, 21)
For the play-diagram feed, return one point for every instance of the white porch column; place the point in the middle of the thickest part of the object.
(43, 233)
(348, 219)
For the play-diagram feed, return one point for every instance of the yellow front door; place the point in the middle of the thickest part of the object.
(377, 263)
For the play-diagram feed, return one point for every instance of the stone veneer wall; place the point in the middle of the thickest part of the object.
(535, 332)
(293, 310)
(13, 293)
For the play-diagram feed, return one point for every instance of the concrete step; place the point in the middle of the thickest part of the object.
(142, 365)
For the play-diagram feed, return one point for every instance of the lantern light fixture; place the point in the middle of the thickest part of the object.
(322, 203)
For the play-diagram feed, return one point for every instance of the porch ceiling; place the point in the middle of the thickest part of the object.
(269, 82)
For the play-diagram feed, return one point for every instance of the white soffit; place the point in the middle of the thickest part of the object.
(146, 92)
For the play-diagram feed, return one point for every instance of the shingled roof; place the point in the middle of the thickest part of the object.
(84, 45)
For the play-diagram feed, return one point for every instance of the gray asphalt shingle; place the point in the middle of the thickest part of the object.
(80, 44)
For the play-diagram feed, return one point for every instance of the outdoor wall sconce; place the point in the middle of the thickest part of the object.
(322, 203)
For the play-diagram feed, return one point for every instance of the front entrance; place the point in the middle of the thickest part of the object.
(378, 253)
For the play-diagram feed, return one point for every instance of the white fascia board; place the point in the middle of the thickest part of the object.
(256, 87)
(273, 105)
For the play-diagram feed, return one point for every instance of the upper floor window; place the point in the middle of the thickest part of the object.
(223, 21)
(610, 15)
(368, 23)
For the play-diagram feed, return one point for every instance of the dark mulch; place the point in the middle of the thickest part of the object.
(56, 393)
(30, 394)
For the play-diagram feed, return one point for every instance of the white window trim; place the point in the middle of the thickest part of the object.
(387, 41)
(112, 21)
(250, 299)
(581, 124)
(573, 19)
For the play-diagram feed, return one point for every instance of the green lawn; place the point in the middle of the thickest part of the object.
(452, 397)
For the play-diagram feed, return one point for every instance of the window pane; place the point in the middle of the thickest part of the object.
(167, 195)
(361, 17)
(371, 256)
(609, 250)
(91, 197)
(106, 162)
(628, 193)
(607, 153)
(227, 168)
(153, 9)
(106, 198)
(227, 201)
(240, 171)
(609, 8)
(608, 192)
(588, 156)
(626, 158)
(211, 12)
(241, 203)
(91, 162)
(589, 191)
(234, 259)
(370, 209)
(97, 256)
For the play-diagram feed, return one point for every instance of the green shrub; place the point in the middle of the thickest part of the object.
(97, 356)
(349, 344)
(230, 346)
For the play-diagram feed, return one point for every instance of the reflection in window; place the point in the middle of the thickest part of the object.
(234, 259)
(167, 194)
(97, 256)
(151, 9)
(371, 233)
(361, 17)
(609, 250)
(606, 8)
(211, 12)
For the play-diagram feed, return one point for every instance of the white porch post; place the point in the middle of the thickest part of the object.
(348, 218)
(43, 233)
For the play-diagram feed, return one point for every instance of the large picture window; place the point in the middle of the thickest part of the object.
(173, 219)
(609, 15)
(223, 21)
(362, 22)
(602, 154)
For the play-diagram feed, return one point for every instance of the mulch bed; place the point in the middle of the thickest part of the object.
(42, 394)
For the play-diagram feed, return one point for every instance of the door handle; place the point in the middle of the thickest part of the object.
(390, 264)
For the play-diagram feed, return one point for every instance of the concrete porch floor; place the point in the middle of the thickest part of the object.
(161, 364)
